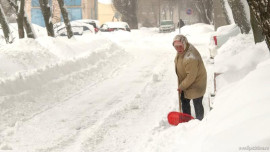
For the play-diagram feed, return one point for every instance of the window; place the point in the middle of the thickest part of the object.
(74, 14)
(73, 8)
(72, 2)
(35, 3)
(37, 17)
(85, 28)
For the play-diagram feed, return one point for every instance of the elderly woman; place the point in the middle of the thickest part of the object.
(191, 75)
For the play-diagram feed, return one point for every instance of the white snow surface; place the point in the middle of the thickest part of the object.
(116, 24)
(112, 92)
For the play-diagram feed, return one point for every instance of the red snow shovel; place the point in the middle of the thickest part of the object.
(174, 118)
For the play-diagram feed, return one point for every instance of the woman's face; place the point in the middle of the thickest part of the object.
(179, 47)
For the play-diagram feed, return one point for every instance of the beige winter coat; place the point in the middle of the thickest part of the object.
(191, 72)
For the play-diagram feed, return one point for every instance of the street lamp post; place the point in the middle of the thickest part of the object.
(158, 12)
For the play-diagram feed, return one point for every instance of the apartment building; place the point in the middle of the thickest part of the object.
(77, 9)
(150, 12)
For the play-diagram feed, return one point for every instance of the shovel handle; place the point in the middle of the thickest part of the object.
(180, 102)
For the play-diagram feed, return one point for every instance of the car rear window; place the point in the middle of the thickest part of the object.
(85, 28)
(94, 24)
(166, 23)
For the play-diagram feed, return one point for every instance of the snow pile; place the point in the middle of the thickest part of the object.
(26, 55)
(33, 72)
(241, 115)
(198, 34)
(23, 55)
(227, 29)
(38, 30)
(158, 73)
(197, 29)
(241, 50)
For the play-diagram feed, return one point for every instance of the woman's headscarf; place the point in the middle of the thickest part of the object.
(182, 39)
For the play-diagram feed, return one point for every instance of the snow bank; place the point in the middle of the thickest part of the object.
(197, 29)
(240, 116)
(33, 72)
(237, 58)
(118, 36)
(198, 34)
(23, 55)
(38, 30)
(46, 58)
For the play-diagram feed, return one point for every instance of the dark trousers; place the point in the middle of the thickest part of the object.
(199, 111)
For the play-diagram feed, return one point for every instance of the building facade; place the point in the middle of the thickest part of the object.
(151, 12)
(106, 13)
(77, 9)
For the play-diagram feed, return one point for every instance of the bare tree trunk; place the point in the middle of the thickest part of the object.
(239, 15)
(13, 5)
(133, 22)
(208, 4)
(8, 11)
(28, 28)
(224, 11)
(128, 9)
(261, 9)
(155, 13)
(20, 19)
(257, 31)
(201, 7)
(4, 25)
(45, 8)
(27, 25)
(65, 17)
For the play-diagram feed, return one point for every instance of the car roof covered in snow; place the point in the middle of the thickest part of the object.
(75, 23)
(117, 24)
(226, 29)
(89, 21)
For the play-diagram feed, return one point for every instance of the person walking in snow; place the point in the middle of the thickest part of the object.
(191, 75)
(180, 23)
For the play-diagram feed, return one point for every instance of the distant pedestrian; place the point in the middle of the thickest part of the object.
(191, 75)
(181, 23)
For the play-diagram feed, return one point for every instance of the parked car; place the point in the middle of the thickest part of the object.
(166, 26)
(114, 26)
(78, 28)
(94, 23)
(221, 36)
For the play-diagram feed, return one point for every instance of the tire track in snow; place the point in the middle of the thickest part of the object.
(96, 138)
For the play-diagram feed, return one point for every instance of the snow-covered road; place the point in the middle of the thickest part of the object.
(115, 105)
